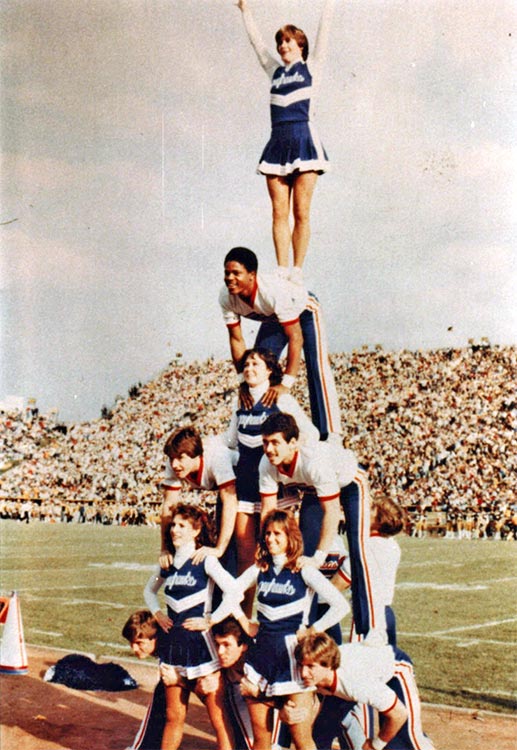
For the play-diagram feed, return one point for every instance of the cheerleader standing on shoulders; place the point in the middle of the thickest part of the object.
(284, 595)
(294, 156)
(188, 586)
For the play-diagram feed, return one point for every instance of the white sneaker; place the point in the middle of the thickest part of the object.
(297, 276)
(282, 272)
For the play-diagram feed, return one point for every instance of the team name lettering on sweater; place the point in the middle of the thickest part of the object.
(179, 579)
(285, 80)
(273, 587)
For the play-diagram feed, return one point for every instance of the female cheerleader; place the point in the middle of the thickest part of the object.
(294, 156)
(260, 371)
(188, 591)
(283, 603)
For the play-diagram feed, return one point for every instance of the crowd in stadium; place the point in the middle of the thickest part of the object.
(437, 430)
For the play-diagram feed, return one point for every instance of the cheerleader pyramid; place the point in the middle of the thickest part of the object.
(282, 678)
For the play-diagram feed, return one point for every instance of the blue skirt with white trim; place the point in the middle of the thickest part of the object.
(292, 148)
(270, 663)
(192, 653)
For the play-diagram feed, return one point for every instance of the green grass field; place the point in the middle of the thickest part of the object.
(456, 601)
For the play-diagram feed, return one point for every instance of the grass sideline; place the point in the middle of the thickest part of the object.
(456, 602)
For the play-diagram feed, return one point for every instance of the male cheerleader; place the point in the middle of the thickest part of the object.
(199, 464)
(289, 315)
(387, 520)
(369, 675)
(322, 476)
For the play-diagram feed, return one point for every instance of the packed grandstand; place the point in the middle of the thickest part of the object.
(436, 429)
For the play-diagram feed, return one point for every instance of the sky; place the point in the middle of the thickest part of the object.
(130, 132)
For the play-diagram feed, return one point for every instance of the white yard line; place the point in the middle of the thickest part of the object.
(443, 586)
(122, 644)
(64, 587)
(470, 586)
(44, 632)
(481, 625)
(65, 600)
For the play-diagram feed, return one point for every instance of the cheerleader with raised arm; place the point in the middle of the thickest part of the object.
(294, 155)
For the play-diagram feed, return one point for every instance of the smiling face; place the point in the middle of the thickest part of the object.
(276, 539)
(255, 370)
(238, 280)
(182, 531)
(289, 50)
(183, 465)
(278, 451)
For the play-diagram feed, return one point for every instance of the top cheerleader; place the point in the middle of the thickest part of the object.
(294, 155)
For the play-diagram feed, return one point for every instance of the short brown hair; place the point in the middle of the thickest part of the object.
(290, 31)
(184, 440)
(287, 521)
(283, 423)
(390, 517)
(231, 626)
(319, 648)
(141, 624)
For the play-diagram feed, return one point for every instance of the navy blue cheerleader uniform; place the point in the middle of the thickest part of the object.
(294, 144)
(283, 602)
(249, 438)
(188, 592)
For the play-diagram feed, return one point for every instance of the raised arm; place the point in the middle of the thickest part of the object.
(266, 60)
(318, 56)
